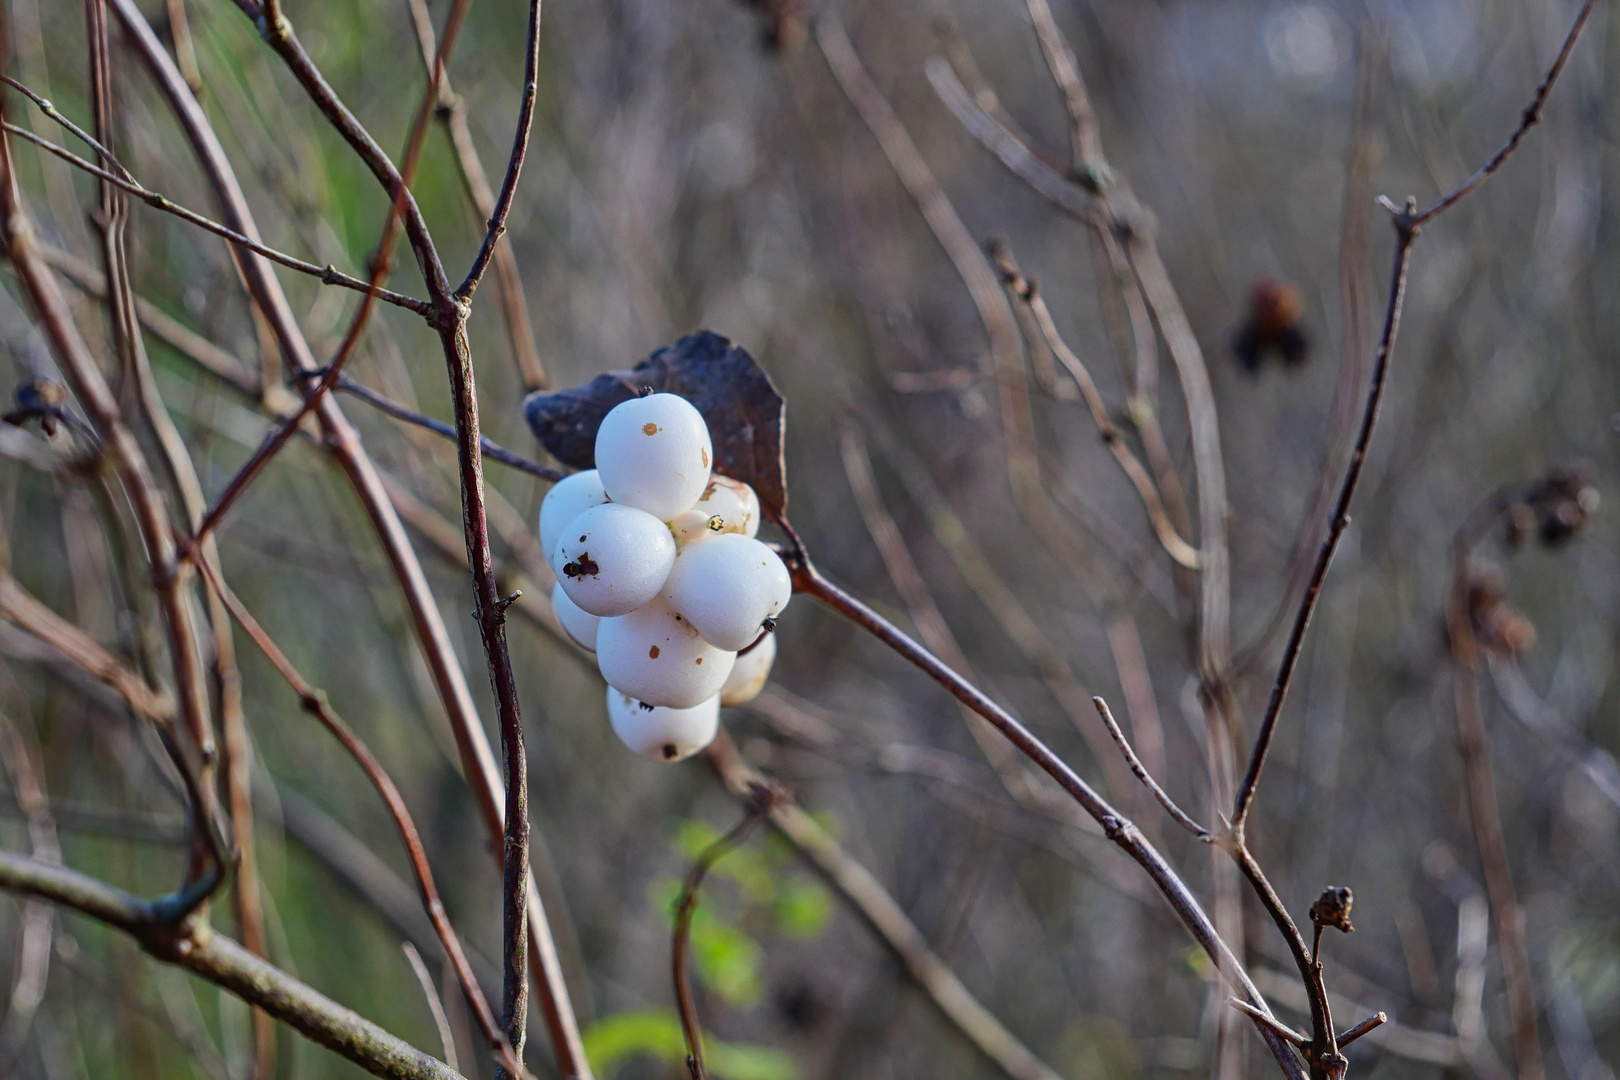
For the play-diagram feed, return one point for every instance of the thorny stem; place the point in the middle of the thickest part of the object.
(760, 800)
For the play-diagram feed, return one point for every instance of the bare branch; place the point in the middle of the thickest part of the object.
(453, 112)
(1030, 297)
(315, 703)
(808, 580)
(514, 165)
(1180, 816)
(1330, 543)
(1527, 120)
(226, 964)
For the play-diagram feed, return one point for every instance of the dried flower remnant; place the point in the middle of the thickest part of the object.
(1499, 627)
(1557, 509)
(1273, 326)
(1332, 908)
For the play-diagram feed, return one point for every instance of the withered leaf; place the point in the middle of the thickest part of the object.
(744, 412)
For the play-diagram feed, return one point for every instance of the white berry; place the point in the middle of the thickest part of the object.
(654, 453)
(568, 498)
(659, 732)
(727, 506)
(655, 656)
(580, 624)
(613, 559)
(727, 586)
(749, 673)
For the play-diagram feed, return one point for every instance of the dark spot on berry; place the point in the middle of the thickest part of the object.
(705, 454)
(652, 653)
(700, 659)
(671, 751)
(583, 566)
(582, 539)
(649, 428)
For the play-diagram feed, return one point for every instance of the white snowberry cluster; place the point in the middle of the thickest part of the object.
(659, 574)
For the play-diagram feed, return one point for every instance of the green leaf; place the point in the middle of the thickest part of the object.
(727, 960)
(745, 866)
(614, 1040)
(803, 908)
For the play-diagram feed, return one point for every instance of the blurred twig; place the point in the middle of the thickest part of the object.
(808, 580)
(452, 111)
(314, 702)
(757, 804)
(880, 911)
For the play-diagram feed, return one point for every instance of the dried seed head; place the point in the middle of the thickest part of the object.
(1332, 908)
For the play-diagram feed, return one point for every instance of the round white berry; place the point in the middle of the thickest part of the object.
(727, 506)
(749, 673)
(580, 624)
(727, 586)
(568, 498)
(655, 656)
(654, 453)
(659, 732)
(613, 559)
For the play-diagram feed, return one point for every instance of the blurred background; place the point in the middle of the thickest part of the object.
(697, 165)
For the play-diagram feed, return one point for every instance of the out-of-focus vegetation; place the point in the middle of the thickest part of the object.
(682, 175)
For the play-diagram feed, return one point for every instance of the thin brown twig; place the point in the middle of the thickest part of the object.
(329, 275)
(441, 1021)
(314, 702)
(1339, 522)
(381, 264)
(451, 323)
(758, 805)
(151, 516)
(174, 454)
(1028, 296)
(1407, 223)
(1373, 1022)
(491, 450)
(1293, 1036)
(223, 962)
(856, 884)
(452, 111)
(514, 165)
(339, 436)
(1527, 120)
(1180, 816)
(810, 581)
